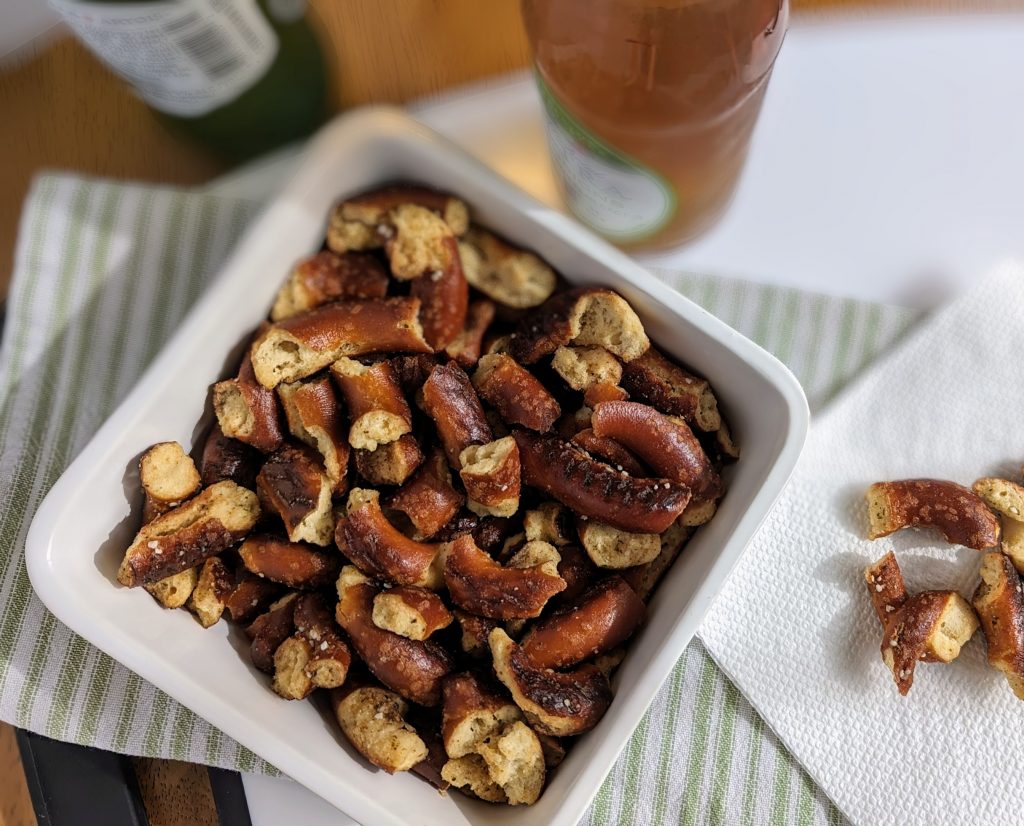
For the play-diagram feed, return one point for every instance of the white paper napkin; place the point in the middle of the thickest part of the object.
(794, 628)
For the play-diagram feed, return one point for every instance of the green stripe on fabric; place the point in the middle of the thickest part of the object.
(672, 702)
(214, 743)
(835, 817)
(790, 317)
(67, 688)
(782, 787)
(699, 743)
(768, 304)
(631, 778)
(129, 707)
(154, 735)
(804, 812)
(181, 732)
(160, 315)
(753, 764)
(721, 778)
(204, 245)
(95, 699)
(246, 759)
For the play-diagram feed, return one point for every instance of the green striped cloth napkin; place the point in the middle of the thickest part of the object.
(103, 273)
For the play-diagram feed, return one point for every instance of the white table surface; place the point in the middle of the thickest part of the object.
(888, 165)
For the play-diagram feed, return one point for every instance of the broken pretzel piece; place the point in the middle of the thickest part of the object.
(410, 611)
(1007, 499)
(449, 399)
(507, 274)
(1000, 606)
(931, 626)
(293, 564)
(377, 409)
(491, 475)
(392, 463)
(227, 459)
(311, 409)
(655, 380)
(585, 367)
(326, 277)
(582, 316)
(168, 477)
(428, 498)
(248, 411)
(305, 343)
(329, 658)
(372, 718)
(443, 294)
(173, 591)
(515, 393)
(961, 516)
(215, 583)
(467, 346)
(182, 538)
(293, 484)
(269, 630)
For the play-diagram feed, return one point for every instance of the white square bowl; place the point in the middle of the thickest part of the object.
(78, 536)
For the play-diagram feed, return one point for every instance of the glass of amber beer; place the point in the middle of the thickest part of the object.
(650, 105)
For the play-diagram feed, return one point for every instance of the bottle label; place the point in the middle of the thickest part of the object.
(606, 189)
(183, 57)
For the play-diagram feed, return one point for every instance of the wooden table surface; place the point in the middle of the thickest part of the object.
(63, 110)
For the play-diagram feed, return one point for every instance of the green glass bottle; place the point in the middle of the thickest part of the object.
(240, 76)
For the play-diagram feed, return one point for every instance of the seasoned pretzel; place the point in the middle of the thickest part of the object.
(378, 548)
(931, 626)
(610, 451)
(428, 498)
(293, 564)
(215, 583)
(168, 477)
(413, 668)
(603, 617)
(311, 410)
(227, 459)
(603, 392)
(479, 585)
(961, 516)
(582, 316)
(373, 720)
(326, 277)
(644, 578)
(608, 547)
(378, 411)
(515, 393)
(364, 221)
(667, 445)
(329, 659)
(293, 484)
(467, 346)
(290, 661)
(585, 367)
(390, 464)
(561, 704)
(247, 411)
(410, 611)
(475, 631)
(303, 344)
(182, 538)
(491, 475)
(450, 400)
(444, 296)
(1000, 606)
(576, 568)
(173, 591)
(249, 596)
(507, 274)
(655, 380)
(548, 522)
(596, 490)
(269, 630)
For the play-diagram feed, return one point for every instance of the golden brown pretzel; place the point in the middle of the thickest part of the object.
(663, 384)
(248, 411)
(582, 316)
(327, 276)
(428, 498)
(168, 477)
(604, 616)
(364, 221)
(293, 484)
(293, 564)
(215, 583)
(1000, 606)
(250, 595)
(931, 626)
(556, 703)
(450, 400)
(597, 490)
(603, 392)
(583, 368)
(515, 393)
(305, 343)
(313, 416)
(960, 515)
(479, 585)
(378, 548)
(210, 522)
(410, 611)
(490, 473)
(444, 296)
(390, 464)
(377, 409)
(510, 275)
(373, 720)
(467, 346)
(269, 630)
(610, 451)
(413, 668)
(174, 591)
(667, 445)
(330, 658)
